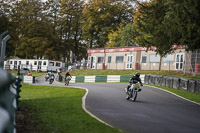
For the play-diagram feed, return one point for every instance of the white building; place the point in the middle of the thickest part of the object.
(33, 64)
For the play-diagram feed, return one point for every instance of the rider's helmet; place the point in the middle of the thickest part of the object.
(137, 74)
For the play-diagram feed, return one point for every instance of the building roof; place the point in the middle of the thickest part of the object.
(126, 49)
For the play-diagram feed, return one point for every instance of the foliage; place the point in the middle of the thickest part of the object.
(29, 29)
(59, 109)
(164, 23)
(102, 17)
(70, 19)
(183, 23)
(124, 36)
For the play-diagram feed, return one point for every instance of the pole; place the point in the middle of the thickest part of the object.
(3, 50)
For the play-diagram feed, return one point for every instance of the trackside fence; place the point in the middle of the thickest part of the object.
(101, 78)
(9, 100)
(190, 85)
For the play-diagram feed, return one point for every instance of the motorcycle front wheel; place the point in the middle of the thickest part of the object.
(134, 96)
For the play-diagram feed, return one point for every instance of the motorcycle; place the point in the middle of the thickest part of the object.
(132, 90)
(51, 79)
(68, 78)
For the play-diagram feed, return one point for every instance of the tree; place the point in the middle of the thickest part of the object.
(151, 24)
(70, 27)
(30, 30)
(182, 23)
(102, 17)
(124, 36)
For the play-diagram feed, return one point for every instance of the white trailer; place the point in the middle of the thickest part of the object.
(43, 65)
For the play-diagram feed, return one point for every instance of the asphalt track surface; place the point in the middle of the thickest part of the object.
(155, 111)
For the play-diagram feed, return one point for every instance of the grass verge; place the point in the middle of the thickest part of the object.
(188, 95)
(90, 72)
(59, 110)
(36, 74)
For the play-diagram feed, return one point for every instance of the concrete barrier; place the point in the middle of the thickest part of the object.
(113, 78)
(89, 79)
(101, 78)
(28, 79)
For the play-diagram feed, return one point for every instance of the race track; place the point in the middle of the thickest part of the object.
(155, 111)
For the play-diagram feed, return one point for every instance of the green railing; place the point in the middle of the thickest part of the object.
(9, 95)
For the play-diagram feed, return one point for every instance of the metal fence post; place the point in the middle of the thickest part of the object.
(3, 47)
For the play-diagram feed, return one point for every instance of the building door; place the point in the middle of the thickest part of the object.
(93, 62)
(15, 65)
(129, 62)
(39, 65)
(179, 61)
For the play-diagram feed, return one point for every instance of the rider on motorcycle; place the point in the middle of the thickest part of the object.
(66, 75)
(134, 80)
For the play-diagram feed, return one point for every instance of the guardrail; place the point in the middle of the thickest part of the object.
(9, 100)
(190, 85)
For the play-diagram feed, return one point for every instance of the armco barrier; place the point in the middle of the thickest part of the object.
(9, 94)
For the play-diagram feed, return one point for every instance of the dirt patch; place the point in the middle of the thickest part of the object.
(24, 121)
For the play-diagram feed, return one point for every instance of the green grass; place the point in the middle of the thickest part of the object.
(130, 72)
(188, 95)
(36, 74)
(59, 110)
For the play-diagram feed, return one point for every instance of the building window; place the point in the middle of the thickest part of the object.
(119, 59)
(100, 59)
(11, 62)
(168, 58)
(154, 58)
(144, 59)
(20, 62)
(109, 59)
(35, 62)
(44, 63)
(27, 62)
(51, 63)
(57, 64)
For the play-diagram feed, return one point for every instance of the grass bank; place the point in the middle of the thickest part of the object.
(188, 95)
(130, 72)
(59, 110)
(36, 74)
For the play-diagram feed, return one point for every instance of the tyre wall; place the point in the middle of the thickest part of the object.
(173, 82)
